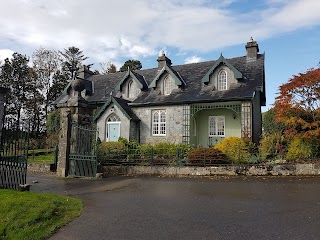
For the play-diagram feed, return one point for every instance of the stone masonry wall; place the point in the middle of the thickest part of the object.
(228, 170)
(174, 124)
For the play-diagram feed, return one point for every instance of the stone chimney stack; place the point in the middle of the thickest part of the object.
(85, 72)
(162, 60)
(252, 48)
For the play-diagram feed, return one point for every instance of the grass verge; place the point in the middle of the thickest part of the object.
(48, 158)
(27, 215)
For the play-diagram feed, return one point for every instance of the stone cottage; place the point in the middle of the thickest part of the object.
(199, 103)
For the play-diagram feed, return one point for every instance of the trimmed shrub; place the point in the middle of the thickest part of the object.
(300, 148)
(273, 146)
(112, 152)
(164, 153)
(207, 156)
(234, 148)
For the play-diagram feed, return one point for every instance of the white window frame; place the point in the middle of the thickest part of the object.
(167, 85)
(222, 80)
(158, 126)
(217, 126)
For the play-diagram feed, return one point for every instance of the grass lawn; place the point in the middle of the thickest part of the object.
(27, 215)
(48, 158)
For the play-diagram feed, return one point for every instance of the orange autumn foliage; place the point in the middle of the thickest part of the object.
(298, 104)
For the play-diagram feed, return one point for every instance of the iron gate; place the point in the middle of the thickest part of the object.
(83, 151)
(13, 154)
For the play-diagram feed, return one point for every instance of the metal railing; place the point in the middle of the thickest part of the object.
(182, 157)
(155, 156)
(13, 172)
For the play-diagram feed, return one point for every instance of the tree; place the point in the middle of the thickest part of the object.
(15, 76)
(298, 104)
(108, 67)
(132, 64)
(53, 127)
(59, 82)
(269, 123)
(34, 106)
(46, 63)
(72, 61)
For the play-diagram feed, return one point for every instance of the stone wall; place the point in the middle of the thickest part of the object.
(227, 170)
(174, 124)
(38, 167)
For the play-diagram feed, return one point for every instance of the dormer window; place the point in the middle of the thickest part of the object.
(167, 85)
(222, 80)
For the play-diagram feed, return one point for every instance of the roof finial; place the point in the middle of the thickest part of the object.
(251, 40)
(163, 53)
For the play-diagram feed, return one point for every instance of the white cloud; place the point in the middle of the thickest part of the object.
(132, 29)
(193, 59)
(5, 53)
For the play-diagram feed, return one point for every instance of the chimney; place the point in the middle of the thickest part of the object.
(85, 72)
(162, 60)
(252, 50)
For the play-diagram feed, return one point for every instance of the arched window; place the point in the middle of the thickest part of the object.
(159, 123)
(222, 80)
(113, 118)
(167, 85)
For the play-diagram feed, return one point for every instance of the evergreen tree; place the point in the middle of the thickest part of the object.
(72, 61)
(132, 64)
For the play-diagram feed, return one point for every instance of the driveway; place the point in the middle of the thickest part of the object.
(190, 208)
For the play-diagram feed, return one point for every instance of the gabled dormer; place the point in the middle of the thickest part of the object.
(222, 75)
(131, 85)
(167, 78)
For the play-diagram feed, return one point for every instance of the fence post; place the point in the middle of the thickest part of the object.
(178, 157)
(151, 156)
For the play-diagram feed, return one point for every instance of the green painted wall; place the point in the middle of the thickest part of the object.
(232, 126)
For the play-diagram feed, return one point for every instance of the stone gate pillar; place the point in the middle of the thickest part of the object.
(75, 111)
(64, 141)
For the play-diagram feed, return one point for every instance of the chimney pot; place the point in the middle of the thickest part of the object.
(162, 60)
(252, 48)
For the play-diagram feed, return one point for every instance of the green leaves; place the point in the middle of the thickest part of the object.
(132, 64)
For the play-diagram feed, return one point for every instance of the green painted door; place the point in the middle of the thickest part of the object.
(113, 132)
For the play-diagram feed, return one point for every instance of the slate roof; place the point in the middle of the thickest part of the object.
(193, 90)
(122, 104)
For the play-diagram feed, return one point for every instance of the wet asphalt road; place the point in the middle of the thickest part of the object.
(190, 208)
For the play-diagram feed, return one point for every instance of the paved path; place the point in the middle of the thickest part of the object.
(190, 208)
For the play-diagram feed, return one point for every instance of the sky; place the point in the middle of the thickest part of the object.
(287, 31)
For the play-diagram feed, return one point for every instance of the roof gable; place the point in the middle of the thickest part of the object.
(221, 60)
(121, 104)
(137, 78)
(175, 75)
